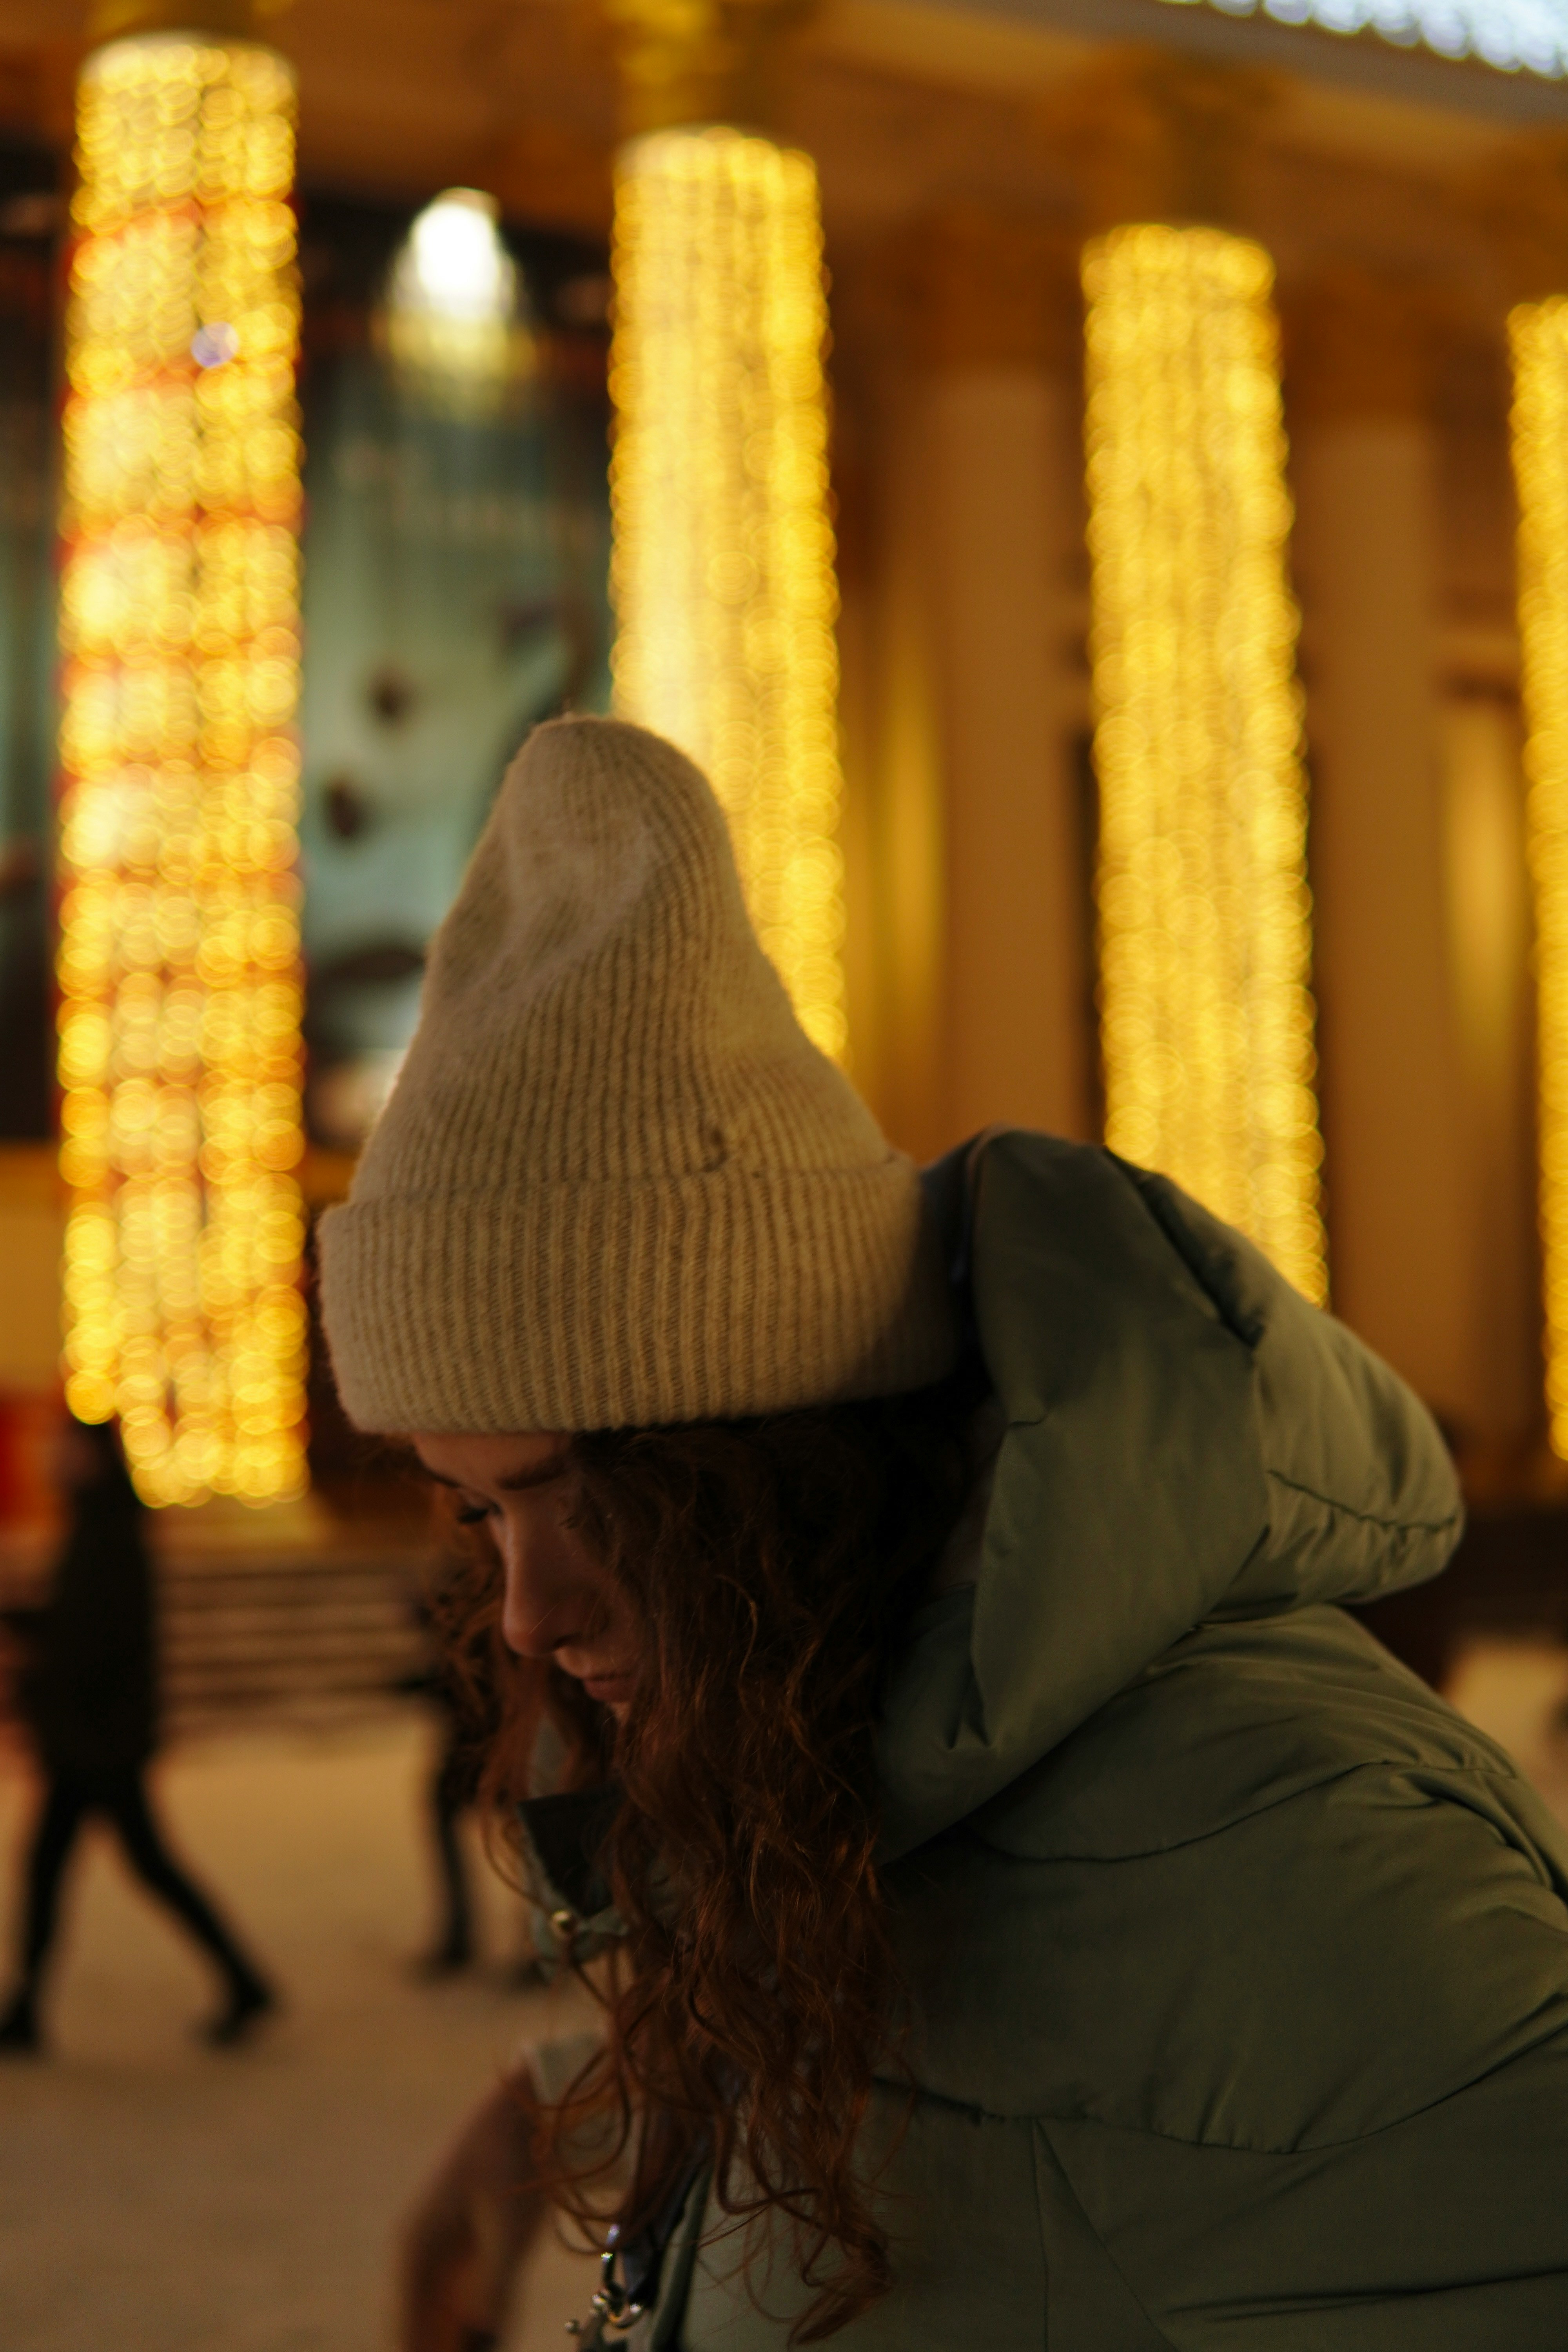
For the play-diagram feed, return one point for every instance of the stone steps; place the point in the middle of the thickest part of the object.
(311, 1633)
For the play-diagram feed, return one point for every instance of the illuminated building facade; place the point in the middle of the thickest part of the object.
(180, 985)
(1204, 933)
(922, 862)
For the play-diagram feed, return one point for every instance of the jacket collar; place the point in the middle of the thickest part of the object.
(1129, 1491)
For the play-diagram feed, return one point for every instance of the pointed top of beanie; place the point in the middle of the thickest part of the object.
(616, 1183)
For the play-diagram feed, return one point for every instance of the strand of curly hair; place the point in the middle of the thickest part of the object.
(773, 1564)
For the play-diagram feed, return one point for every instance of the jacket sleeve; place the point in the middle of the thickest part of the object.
(1442, 2233)
(1362, 1495)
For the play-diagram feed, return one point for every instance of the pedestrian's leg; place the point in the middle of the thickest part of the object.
(449, 1793)
(125, 1801)
(66, 1802)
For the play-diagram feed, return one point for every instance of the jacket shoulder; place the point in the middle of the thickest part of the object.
(1364, 1497)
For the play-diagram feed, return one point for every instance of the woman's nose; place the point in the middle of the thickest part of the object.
(534, 1622)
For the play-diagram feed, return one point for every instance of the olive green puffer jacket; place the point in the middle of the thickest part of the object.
(1241, 1963)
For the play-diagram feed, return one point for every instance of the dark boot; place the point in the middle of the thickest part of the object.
(19, 2034)
(250, 1998)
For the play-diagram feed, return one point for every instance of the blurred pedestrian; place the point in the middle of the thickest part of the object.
(460, 1685)
(90, 1693)
(452, 1791)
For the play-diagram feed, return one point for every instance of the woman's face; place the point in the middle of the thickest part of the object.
(561, 1603)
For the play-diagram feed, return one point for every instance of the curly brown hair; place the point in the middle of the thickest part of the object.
(773, 1564)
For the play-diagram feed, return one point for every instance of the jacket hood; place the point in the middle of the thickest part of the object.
(1185, 1438)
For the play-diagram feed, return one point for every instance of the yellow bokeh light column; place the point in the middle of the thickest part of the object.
(179, 970)
(722, 572)
(1203, 916)
(1538, 333)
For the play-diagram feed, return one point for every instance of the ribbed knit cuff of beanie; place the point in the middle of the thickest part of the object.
(616, 1183)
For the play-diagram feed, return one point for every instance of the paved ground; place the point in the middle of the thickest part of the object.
(154, 2197)
(157, 2198)
(1517, 1691)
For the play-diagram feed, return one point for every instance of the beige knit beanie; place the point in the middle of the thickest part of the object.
(615, 1184)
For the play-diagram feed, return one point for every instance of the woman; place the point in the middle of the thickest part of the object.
(1035, 1913)
(92, 1698)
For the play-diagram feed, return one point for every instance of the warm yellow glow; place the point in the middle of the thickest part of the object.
(1204, 928)
(1539, 335)
(723, 566)
(179, 957)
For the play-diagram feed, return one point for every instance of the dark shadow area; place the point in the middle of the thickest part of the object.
(29, 229)
(1508, 1578)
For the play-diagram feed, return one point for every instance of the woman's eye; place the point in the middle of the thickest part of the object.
(468, 1515)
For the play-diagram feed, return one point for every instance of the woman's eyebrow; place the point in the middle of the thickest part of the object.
(518, 1482)
(545, 1472)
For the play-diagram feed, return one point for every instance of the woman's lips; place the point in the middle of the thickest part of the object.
(606, 1690)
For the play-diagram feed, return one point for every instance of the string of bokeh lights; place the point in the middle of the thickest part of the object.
(1514, 35)
(179, 972)
(722, 573)
(1538, 336)
(1206, 1018)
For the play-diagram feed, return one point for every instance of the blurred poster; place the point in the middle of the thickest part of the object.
(457, 553)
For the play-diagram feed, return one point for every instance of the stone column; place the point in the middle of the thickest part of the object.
(964, 688)
(1365, 463)
(1488, 919)
(1001, 446)
(893, 830)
